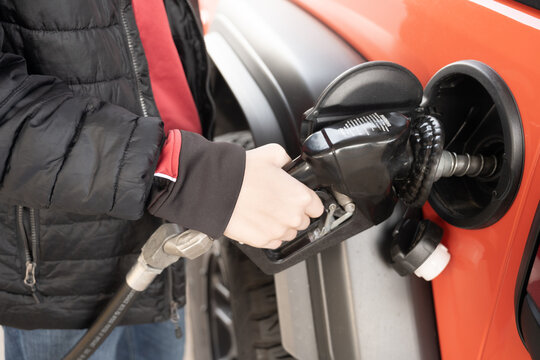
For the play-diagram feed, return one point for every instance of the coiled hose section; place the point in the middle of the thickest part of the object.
(427, 141)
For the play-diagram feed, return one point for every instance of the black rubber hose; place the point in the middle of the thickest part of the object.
(104, 324)
(427, 141)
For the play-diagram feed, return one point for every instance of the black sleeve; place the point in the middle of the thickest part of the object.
(68, 152)
(204, 195)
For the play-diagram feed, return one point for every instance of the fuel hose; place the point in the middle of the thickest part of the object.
(166, 246)
(104, 324)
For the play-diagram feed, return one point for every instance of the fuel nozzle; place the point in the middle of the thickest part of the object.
(373, 159)
(362, 150)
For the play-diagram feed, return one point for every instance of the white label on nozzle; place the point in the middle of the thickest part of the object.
(364, 125)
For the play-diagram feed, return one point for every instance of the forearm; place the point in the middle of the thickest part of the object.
(68, 152)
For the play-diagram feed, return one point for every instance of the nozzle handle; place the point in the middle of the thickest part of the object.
(301, 170)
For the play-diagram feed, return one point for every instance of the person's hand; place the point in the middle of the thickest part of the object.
(272, 205)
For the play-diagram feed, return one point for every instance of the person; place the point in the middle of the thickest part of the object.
(102, 107)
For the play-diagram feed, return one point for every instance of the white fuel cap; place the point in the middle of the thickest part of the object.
(416, 248)
(434, 264)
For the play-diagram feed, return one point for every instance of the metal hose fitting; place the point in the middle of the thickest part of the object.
(452, 164)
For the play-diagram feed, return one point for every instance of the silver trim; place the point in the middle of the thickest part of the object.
(141, 275)
(296, 313)
(190, 244)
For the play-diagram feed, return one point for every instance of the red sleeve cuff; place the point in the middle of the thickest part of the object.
(168, 163)
(210, 176)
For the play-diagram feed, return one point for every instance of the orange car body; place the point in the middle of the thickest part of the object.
(474, 296)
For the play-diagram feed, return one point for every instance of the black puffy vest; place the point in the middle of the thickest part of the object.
(79, 137)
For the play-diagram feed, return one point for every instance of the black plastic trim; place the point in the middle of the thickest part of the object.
(264, 80)
(532, 3)
(259, 114)
(511, 168)
(523, 310)
(279, 45)
(530, 326)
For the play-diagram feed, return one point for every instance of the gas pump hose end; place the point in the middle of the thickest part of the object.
(452, 164)
(166, 245)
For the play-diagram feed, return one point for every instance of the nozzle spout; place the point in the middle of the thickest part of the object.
(452, 164)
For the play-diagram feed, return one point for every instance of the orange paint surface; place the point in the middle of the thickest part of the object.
(474, 297)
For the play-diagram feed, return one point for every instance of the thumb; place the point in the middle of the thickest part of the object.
(276, 154)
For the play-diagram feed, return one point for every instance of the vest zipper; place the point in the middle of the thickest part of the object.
(132, 55)
(173, 305)
(30, 250)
